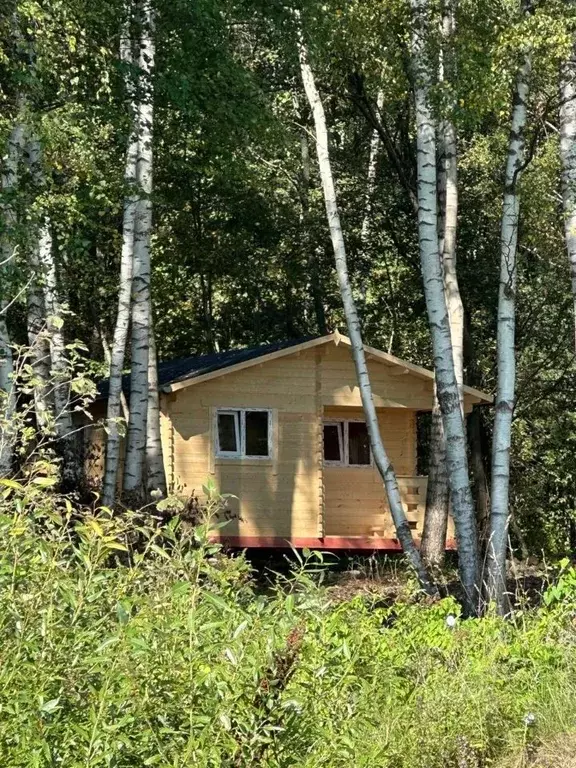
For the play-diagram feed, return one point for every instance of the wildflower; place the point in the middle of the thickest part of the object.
(450, 621)
(529, 719)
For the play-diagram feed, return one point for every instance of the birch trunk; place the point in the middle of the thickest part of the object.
(9, 184)
(311, 254)
(432, 273)
(38, 334)
(438, 496)
(505, 394)
(568, 160)
(139, 391)
(371, 177)
(53, 318)
(433, 545)
(115, 409)
(155, 474)
(369, 198)
(60, 366)
(380, 456)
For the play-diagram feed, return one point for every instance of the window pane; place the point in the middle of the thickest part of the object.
(358, 443)
(256, 433)
(227, 432)
(332, 442)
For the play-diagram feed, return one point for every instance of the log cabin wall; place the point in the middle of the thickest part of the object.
(292, 494)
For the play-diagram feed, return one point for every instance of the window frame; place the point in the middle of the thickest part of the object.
(343, 435)
(340, 427)
(240, 428)
(235, 413)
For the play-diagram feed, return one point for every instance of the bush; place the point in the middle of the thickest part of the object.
(136, 643)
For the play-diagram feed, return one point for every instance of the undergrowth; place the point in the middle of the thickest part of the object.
(125, 642)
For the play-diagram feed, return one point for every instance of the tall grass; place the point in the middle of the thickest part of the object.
(130, 644)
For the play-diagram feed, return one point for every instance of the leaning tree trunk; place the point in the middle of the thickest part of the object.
(141, 325)
(9, 182)
(115, 410)
(568, 159)
(380, 456)
(505, 393)
(446, 381)
(438, 496)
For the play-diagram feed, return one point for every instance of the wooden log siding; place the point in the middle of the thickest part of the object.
(292, 495)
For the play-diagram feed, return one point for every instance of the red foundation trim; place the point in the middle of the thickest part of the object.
(369, 543)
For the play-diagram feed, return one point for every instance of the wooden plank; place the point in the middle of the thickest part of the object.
(250, 363)
(357, 543)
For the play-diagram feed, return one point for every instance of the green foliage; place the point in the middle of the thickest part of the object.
(130, 642)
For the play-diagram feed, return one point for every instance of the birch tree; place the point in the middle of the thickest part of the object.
(121, 329)
(432, 274)
(568, 160)
(44, 300)
(369, 197)
(140, 392)
(438, 497)
(155, 475)
(38, 338)
(378, 450)
(506, 357)
(9, 184)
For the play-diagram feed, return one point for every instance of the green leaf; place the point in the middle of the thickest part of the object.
(122, 614)
(218, 602)
(50, 706)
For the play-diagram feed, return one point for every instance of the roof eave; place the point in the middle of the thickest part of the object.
(336, 338)
(261, 359)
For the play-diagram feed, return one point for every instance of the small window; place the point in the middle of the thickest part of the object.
(257, 433)
(346, 443)
(333, 443)
(243, 433)
(358, 443)
(228, 433)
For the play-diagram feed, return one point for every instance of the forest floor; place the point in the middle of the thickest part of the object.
(385, 579)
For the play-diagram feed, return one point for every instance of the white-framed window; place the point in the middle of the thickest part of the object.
(244, 433)
(346, 443)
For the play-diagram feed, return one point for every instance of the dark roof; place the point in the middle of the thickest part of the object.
(191, 367)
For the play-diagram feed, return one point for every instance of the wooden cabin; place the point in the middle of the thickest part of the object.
(281, 427)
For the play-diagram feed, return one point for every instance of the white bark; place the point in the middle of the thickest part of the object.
(38, 332)
(371, 177)
(432, 273)
(139, 390)
(369, 197)
(380, 456)
(115, 409)
(9, 183)
(433, 544)
(438, 497)
(505, 394)
(59, 366)
(568, 159)
(155, 474)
